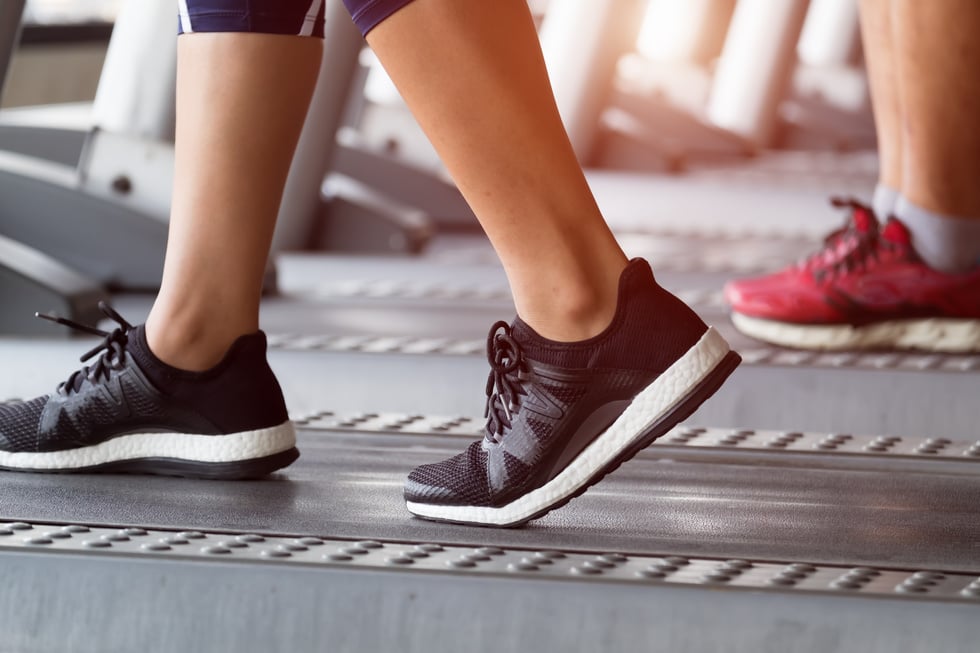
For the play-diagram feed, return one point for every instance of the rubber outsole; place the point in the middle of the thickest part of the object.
(697, 396)
(936, 335)
(252, 468)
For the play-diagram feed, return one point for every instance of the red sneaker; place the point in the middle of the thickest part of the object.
(867, 288)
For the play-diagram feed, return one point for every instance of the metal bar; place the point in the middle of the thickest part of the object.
(103, 602)
(831, 34)
(217, 547)
(137, 89)
(11, 14)
(318, 141)
(755, 67)
(582, 41)
(760, 442)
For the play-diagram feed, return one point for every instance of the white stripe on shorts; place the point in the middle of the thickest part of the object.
(310, 21)
(185, 17)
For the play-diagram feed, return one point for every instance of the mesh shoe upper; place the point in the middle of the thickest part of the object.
(864, 274)
(127, 390)
(19, 423)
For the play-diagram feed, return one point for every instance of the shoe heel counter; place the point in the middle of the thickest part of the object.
(245, 395)
(275, 396)
(663, 307)
(260, 394)
(682, 316)
(658, 316)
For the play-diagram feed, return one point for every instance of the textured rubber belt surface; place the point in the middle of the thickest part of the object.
(544, 564)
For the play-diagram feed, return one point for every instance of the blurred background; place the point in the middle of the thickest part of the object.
(652, 85)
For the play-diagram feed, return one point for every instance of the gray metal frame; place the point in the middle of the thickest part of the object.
(10, 25)
(33, 282)
(97, 199)
(582, 42)
(846, 399)
(752, 77)
(42, 207)
(302, 200)
(755, 67)
(105, 588)
(959, 453)
(67, 213)
(379, 204)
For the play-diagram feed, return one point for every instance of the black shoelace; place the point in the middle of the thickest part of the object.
(112, 349)
(504, 388)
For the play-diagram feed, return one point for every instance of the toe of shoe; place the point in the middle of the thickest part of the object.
(418, 492)
(18, 425)
(421, 486)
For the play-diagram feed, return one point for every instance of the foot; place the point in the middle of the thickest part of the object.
(563, 415)
(129, 412)
(866, 289)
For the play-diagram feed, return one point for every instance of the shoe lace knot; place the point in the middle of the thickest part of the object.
(505, 388)
(851, 247)
(111, 351)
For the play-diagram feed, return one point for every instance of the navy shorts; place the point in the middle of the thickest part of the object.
(299, 17)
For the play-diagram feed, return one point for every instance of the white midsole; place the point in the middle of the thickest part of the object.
(651, 404)
(234, 447)
(929, 334)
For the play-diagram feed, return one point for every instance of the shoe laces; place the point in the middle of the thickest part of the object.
(111, 351)
(851, 247)
(505, 387)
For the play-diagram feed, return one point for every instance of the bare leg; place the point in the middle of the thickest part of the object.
(473, 74)
(879, 52)
(938, 57)
(238, 119)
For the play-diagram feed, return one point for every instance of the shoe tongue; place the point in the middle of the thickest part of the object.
(896, 232)
(533, 344)
(139, 348)
(864, 220)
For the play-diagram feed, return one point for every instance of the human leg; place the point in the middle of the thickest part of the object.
(879, 52)
(913, 282)
(938, 56)
(212, 406)
(238, 120)
(488, 109)
(601, 360)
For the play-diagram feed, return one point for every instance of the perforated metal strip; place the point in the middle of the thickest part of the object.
(755, 356)
(489, 560)
(419, 290)
(682, 436)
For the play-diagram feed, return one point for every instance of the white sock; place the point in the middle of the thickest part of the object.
(945, 242)
(884, 201)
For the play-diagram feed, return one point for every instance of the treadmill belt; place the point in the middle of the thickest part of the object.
(667, 500)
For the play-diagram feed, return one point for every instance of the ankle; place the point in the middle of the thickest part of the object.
(572, 310)
(191, 344)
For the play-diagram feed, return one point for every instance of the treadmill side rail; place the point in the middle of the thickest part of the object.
(32, 282)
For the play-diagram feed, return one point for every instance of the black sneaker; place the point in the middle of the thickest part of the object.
(563, 415)
(130, 412)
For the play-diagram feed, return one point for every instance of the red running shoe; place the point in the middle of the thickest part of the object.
(867, 288)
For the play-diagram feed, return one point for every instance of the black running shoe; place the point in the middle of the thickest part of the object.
(563, 415)
(130, 412)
